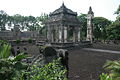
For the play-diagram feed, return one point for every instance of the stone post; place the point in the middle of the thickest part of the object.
(65, 34)
(74, 35)
(60, 34)
(48, 33)
(79, 34)
(52, 33)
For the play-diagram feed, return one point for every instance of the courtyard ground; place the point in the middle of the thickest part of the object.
(87, 64)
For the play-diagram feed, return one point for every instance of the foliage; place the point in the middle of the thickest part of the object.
(105, 77)
(18, 41)
(3, 20)
(42, 19)
(11, 68)
(29, 23)
(51, 71)
(118, 11)
(30, 40)
(83, 20)
(113, 31)
(4, 50)
(114, 69)
(100, 25)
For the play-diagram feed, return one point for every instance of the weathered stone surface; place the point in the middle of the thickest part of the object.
(88, 65)
(59, 24)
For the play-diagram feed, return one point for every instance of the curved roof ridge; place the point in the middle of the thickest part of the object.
(63, 9)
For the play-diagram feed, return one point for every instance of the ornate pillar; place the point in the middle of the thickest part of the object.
(60, 33)
(74, 35)
(52, 33)
(90, 17)
(48, 34)
(78, 34)
(65, 34)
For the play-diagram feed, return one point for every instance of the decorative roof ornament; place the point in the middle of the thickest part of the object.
(63, 9)
(63, 4)
(90, 10)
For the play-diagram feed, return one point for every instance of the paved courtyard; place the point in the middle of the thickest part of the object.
(87, 63)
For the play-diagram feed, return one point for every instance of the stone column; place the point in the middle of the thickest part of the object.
(60, 33)
(74, 35)
(52, 33)
(48, 33)
(79, 34)
(65, 34)
(57, 34)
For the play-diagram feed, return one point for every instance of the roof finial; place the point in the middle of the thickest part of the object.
(90, 10)
(63, 3)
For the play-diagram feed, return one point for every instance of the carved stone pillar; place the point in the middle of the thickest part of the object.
(60, 34)
(65, 34)
(57, 34)
(48, 33)
(52, 33)
(74, 35)
(79, 34)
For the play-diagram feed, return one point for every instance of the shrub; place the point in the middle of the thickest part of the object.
(11, 68)
(18, 41)
(105, 77)
(114, 70)
(51, 71)
(30, 40)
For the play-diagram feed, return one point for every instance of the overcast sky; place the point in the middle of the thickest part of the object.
(103, 8)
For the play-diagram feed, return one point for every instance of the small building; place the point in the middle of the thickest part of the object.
(60, 23)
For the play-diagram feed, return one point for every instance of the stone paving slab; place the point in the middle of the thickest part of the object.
(88, 64)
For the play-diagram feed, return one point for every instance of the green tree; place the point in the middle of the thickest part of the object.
(83, 20)
(31, 23)
(41, 19)
(3, 20)
(118, 11)
(113, 30)
(97, 32)
(16, 19)
(100, 25)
